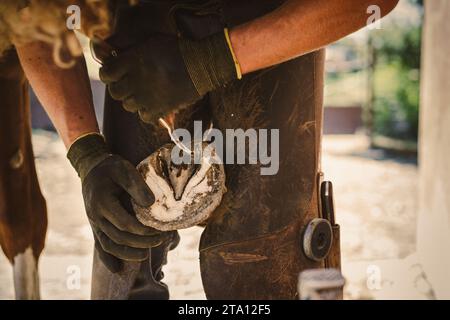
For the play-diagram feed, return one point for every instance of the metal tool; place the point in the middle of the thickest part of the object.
(318, 236)
(327, 202)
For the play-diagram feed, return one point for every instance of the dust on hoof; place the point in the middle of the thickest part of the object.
(185, 194)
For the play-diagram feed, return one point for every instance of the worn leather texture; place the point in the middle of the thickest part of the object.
(254, 238)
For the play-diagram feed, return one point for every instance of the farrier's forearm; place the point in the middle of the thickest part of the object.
(64, 93)
(299, 27)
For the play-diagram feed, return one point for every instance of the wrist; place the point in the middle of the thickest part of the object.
(210, 62)
(237, 65)
(86, 152)
(238, 45)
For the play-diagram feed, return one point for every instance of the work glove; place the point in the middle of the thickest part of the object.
(165, 73)
(105, 179)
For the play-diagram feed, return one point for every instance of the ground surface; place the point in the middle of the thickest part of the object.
(376, 208)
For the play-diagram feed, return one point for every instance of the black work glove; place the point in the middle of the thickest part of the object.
(105, 178)
(164, 73)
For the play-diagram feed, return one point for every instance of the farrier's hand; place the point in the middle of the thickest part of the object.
(105, 178)
(165, 73)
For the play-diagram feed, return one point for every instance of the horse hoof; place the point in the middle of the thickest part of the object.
(185, 194)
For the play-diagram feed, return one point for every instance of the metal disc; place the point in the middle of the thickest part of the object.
(317, 239)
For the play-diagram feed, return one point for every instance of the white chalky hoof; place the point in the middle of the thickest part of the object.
(186, 194)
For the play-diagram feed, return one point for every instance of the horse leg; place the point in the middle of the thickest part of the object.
(23, 215)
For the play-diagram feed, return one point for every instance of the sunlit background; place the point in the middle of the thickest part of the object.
(369, 153)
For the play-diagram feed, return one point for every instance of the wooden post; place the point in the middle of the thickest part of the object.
(434, 149)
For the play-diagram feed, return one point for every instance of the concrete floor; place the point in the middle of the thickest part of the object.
(375, 204)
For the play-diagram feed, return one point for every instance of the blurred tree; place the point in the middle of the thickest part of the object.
(397, 80)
